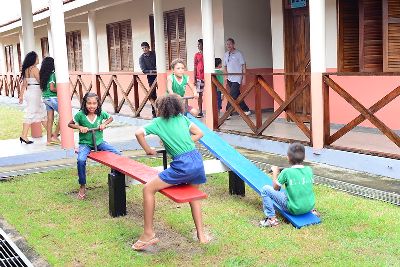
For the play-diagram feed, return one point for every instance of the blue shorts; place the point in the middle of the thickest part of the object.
(51, 103)
(186, 168)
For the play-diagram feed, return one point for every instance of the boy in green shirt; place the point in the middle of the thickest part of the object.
(298, 179)
(220, 78)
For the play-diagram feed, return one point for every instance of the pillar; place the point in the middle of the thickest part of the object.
(21, 45)
(3, 65)
(208, 55)
(50, 40)
(62, 74)
(28, 45)
(94, 56)
(159, 45)
(27, 26)
(318, 66)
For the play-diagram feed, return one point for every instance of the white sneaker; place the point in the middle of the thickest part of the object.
(229, 117)
(248, 113)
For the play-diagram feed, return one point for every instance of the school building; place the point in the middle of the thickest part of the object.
(322, 72)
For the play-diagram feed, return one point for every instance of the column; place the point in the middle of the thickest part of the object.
(27, 26)
(27, 46)
(21, 45)
(208, 55)
(94, 56)
(50, 40)
(318, 66)
(3, 67)
(61, 64)
(159, 46)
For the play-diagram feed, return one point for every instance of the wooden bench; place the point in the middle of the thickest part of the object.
(121, 166)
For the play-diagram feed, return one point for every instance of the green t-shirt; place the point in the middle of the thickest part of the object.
(86, 138)
(179, 88)
(174, 132)
(220, 78)
(47, 93)
(298, 181)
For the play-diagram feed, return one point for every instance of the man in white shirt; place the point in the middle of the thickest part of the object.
(234, 63)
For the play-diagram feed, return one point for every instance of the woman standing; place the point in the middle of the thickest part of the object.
(35, 110)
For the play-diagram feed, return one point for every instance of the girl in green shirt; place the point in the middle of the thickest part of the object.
(178, 135)
(178, 81)
(49, 94)
(90, 116)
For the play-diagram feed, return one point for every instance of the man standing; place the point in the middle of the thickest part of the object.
(234, 63)
(199, 75)
(147, 63)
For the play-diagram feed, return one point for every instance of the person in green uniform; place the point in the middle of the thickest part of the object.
(178, 135)
(177, 83)
(49, 93)
(90, 116)
(298, 180)
(220, 78)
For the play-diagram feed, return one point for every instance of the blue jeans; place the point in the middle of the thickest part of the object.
(268, 195)
(219, 100)
(51, 103)
(84, 151)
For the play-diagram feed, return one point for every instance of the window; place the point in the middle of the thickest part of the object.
(369, 35)
(9, 58)
(44, 43)
(174, 35)
(74, 50)
(119, 39)
(19, 56)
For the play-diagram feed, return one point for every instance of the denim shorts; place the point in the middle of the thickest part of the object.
(186, 168)
(51, 103)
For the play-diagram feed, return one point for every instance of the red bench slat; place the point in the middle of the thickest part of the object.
(144, 173)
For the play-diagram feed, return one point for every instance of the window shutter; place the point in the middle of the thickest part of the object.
(371, 44)
(9, 58)
(77, 51)
(166, 42)
(126, 46)
(70, 51)
(181, 35)
(113, 36)
(348, 36)
(44, 43)
(391, 35)
(19, 56)
(152, 40)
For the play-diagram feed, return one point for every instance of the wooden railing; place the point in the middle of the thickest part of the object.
(365, 113)
(10, 85)
(258, 83)
(109, 87)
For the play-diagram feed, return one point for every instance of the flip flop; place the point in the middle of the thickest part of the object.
(144, 244)
(81, 196)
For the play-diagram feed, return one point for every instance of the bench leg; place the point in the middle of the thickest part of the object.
(236, 185)
(116, 194)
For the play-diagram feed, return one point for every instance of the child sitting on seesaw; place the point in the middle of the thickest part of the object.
(177, 83)
(179, 136)
(90, 116)
(298, 179)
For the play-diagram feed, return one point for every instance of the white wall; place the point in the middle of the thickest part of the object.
(278, 47)
(331, 34)
(250, 26)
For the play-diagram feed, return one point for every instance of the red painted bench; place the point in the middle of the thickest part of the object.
(122, 166)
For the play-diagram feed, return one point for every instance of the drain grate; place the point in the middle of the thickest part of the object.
(10, 255)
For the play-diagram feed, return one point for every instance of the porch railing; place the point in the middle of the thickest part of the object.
(258, 83)
(108, 86)
(365, 113)
(10, 85)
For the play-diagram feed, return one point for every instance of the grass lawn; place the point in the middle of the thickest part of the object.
(10, 122)
(69, 232)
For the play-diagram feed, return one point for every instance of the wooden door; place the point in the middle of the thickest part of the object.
(297, 59)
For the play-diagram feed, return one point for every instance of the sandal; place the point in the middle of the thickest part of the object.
(142, 245)
(81, 196)
(315, 212)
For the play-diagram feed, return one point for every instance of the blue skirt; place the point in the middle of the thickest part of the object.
(186, 168)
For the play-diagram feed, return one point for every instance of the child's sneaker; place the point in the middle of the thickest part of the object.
(268, 222)
(315, 212)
